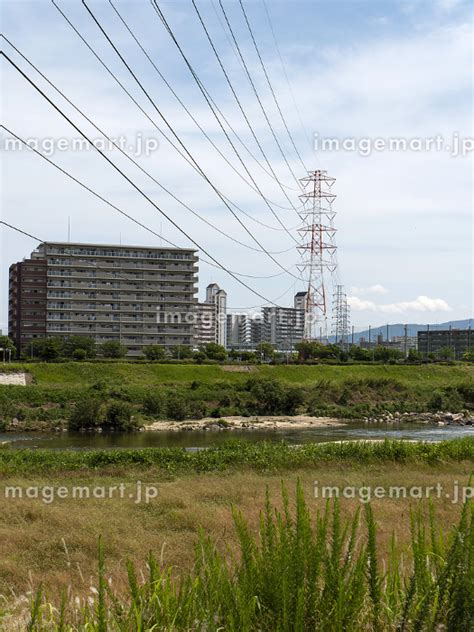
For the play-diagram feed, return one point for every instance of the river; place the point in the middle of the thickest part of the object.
(202, 439)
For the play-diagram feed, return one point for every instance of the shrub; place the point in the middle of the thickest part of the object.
(270, 397)
(113, 349)
(154, 404)
(176, 407)
(118, 416)
(79, 354)
(86, 414)
(73, 344)
(153, 353)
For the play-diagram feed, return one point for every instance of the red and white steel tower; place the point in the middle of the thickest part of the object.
(318, 250)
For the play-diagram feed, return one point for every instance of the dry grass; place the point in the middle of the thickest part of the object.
(56, 544)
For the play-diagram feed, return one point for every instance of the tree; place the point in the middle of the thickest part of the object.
(215, 352)
(46, 349)
(7, 343)
(414, 356)
(267, 350)
(385, 354)
(74, 343)
(468, 356)
(359, 353)
(113, 349)
(181, 352)
(153, 353)
(86, 414)
(445, 353)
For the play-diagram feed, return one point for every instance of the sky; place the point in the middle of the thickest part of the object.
(384, 103)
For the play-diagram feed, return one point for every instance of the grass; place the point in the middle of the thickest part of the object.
(297, 569)
(83, 374)
(261, 456)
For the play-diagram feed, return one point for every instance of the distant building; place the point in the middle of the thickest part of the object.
(432, 341)
(283, 327)
(244, 331)
(300, 300)
(135, 295)
(205, 326)
(403, 343)
(218, 297)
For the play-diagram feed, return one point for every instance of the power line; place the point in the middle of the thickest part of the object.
(286, 74)
(249, 76)
(142, 169)
(210, 105)
(135, 186)
(234, 93)
(187, 110)
(132, 98)
(202, 173)
(270, 85)
(116, 208)
(95, 265)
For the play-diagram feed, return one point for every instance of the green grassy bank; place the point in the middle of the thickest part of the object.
(148, 392)
(84, 374)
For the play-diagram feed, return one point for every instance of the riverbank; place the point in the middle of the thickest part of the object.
(271, 423)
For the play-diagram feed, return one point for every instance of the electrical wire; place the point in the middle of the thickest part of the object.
(132, 98)
(234, 93)
(119, 210)
(130, 181)
(264, 112)
(270, 84)
(187, 110)
(179, 140)
(114, 144)
(211, 107)
(286, 74)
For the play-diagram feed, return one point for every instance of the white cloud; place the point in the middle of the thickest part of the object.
(420, 304)
(372, 289)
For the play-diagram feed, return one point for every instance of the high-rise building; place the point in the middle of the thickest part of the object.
(218, 297)
(283, 327)
(133, 294)
(206, 325)
(244, 331)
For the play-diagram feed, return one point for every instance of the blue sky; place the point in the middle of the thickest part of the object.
(369, 70)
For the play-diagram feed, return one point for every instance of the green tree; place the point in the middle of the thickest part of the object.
(7, 343)
(445, 353)
(154, 352)
(73, 343)
(46, 349)
(468, 356)
(215, 352)
(414, 356)
(266, 351)
(360, 354)
(386, 353)
(181, 352)
(113, 349)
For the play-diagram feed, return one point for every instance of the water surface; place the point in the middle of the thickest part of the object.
(201, 439)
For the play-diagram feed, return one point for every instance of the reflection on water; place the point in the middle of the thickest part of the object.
(197, 439)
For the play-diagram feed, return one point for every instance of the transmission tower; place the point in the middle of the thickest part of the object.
(340, 317)
(318, 252)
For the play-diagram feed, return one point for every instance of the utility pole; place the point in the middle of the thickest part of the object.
(406, 340)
